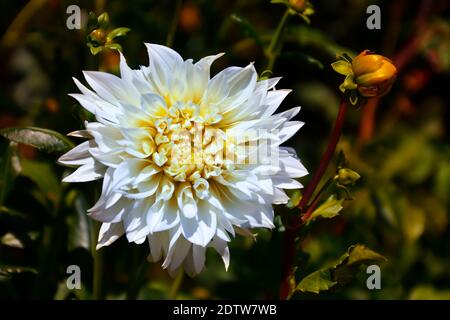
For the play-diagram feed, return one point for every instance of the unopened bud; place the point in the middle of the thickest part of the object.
(374, 74)
(298, 5)
(346, 176)
(98, 35)
(303, 8)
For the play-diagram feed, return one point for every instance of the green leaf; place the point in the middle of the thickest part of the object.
(360, 254)
(43, 139)
(340, 271)
(347, 176)
(342, 67)
(349, 83)
(95, 50)
(351, 262)
(294, 200)
(317, 281)
(329, 209)
(114, 46)
(118, 32)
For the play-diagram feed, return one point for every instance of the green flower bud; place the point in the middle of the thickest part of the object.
(346, 176)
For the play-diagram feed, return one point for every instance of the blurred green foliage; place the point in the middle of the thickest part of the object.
(400, 147)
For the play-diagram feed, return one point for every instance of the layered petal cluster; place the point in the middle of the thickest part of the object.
(187, 160)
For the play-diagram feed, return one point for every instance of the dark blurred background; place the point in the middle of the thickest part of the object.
(399, 144)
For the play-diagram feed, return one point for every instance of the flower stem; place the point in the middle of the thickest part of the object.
(174, 24)
(173, 293)
(274, 48)
(326, 158)
(315, 201)
(293, 226)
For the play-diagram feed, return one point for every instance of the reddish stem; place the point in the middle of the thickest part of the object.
(311, 209)
(326, 158)
(293, 226)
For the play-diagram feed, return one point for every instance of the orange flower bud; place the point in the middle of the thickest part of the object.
(298, 5)
(374, 74)
(98, 35)
(303, 8)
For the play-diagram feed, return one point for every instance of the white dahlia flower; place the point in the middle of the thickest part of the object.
(186, 160)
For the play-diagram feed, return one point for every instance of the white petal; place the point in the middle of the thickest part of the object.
(198, 255)
(288, 129)
(152, 104)
(209, 60)
(280, 197)
(109, 232)
(159, 245)
(80, 134)
(177, 253)
(241, 86)
(91, 170)
(201, 230)
(222, 248)
(125, 71)
(273, 101)
(163, 62)
(166, 189)
(113, 214)
(272, 82)
(111, 88)
(169, 213)
(292, 167)
(283, 182)
(186, 201)
(77, 156)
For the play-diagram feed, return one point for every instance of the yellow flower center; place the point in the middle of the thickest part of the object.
(186, 145)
